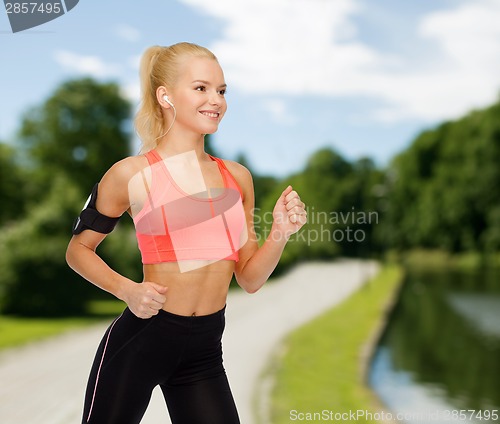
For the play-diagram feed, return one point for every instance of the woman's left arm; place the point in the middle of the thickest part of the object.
(256, 263)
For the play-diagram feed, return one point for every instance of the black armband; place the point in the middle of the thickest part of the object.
(91, 219)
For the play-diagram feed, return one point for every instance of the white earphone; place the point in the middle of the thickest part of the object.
(165, 97)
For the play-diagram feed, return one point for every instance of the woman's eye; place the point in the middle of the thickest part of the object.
(200, 88)
(222, 92)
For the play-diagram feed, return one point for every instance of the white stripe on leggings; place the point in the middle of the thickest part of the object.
(100, 365)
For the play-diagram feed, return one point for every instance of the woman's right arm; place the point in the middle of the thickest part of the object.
(144, 299)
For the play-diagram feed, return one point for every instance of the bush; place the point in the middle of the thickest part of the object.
(34, 277)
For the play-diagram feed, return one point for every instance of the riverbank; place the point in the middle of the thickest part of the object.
(441, 259)
(321, 367)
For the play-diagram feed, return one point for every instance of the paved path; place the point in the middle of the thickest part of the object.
(44, 383)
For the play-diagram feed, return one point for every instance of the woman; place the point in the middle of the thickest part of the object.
(193, 215)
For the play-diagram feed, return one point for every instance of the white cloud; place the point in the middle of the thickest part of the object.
(127, 33)
(90, 65)
(278, 110)
(134, 61)
(467, 75)
(287, 45)
(131, 91)
(311, 47)
(469, 32)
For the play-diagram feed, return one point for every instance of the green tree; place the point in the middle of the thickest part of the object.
(444, 190)
(336, 193)
(34, 277)
(80, 131)
(263, 184)
(12, 186)
(68, 143)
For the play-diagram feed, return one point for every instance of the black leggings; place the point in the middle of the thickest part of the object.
(180, 353)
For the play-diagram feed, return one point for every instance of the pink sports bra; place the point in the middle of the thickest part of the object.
(175, 226)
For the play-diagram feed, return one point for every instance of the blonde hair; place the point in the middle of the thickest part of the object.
(159, 67)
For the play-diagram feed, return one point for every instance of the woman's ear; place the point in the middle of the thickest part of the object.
(162, 97)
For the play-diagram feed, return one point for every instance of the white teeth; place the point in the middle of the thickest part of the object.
(211, 115)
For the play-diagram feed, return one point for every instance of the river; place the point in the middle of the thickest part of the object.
(439, 357)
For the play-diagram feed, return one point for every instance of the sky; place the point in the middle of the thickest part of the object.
(361, 76)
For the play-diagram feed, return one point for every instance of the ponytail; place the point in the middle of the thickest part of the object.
(148, 120)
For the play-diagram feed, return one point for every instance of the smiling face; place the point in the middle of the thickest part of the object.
(198, 96)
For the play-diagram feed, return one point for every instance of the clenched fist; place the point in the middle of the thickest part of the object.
(289, 214)
(145, 299)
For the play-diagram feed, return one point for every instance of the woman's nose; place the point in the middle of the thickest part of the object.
(215, 99)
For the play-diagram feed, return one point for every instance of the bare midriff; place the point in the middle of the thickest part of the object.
(201, 291)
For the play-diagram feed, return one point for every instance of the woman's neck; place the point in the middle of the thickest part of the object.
(174, 144)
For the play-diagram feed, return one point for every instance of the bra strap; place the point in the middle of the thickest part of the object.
(223, 168)
(152, 157)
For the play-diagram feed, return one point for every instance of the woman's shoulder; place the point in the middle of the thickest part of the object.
(114, 196)
(238, 170)
(126, 168)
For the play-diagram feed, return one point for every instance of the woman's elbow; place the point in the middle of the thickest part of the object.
(70, 255)
(249, 286)
(74, 253)
(251, 290)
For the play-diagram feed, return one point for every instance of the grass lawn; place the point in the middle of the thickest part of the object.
(15, 331)
(319, 367)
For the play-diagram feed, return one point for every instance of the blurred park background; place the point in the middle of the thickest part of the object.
(431, 206)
